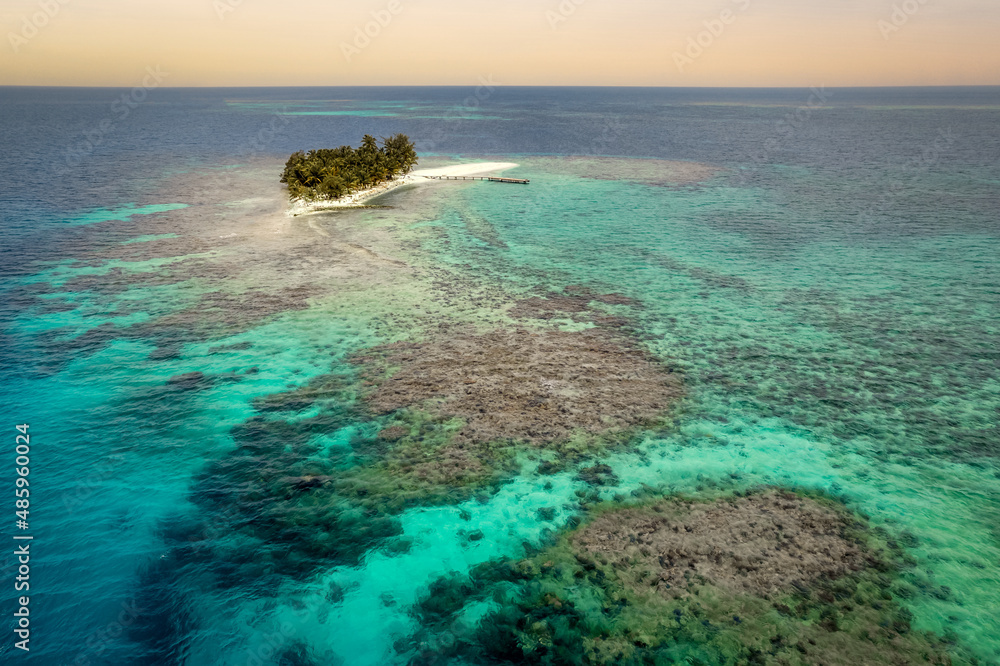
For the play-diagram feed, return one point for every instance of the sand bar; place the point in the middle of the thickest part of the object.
(358, 199)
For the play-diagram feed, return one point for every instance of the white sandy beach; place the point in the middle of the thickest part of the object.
(467, 169)
(420, 176)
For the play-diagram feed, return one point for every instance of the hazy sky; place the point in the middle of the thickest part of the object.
(513, 42)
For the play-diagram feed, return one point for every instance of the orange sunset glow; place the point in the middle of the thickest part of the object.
(548, 42)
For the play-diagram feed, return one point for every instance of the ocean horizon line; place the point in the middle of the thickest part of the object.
(520, 86)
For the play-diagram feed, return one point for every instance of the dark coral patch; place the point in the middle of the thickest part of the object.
(521, 386)
(772, 577)
(758, 544)
(393, 433)
(190, 381)
(598, 475)
(575, 302)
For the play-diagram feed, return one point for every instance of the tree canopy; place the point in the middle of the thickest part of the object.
(331, 173)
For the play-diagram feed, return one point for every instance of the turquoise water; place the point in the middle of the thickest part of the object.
(857, 366)
(820, 348)
(122, 213)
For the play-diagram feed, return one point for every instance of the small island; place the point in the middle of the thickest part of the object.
(335, 178)
(333, 174)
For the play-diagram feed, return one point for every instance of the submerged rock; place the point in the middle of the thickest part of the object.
(598, 475)
(190, 381)
(546, 513)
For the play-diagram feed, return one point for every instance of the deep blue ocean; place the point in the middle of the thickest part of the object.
(823, 265)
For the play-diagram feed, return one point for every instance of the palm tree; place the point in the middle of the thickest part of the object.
(331, 173)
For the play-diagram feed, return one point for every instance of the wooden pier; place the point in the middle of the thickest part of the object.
(492, 179)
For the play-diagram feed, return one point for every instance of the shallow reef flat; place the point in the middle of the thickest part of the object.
(518, 385)
(767, 576)
(656, 172)
(575, 383)
(443, 382)
(425, 423)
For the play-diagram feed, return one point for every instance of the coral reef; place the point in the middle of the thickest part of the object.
(540, 388)
(758, 544)
(449, 416)
(769, 577)
(575, 302)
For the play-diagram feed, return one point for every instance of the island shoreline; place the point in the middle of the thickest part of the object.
(361, 199)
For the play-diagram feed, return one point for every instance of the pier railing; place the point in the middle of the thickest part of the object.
(492, 179)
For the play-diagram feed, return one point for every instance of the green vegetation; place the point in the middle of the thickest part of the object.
(569, 604)
(301, 503)
(331, 173)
